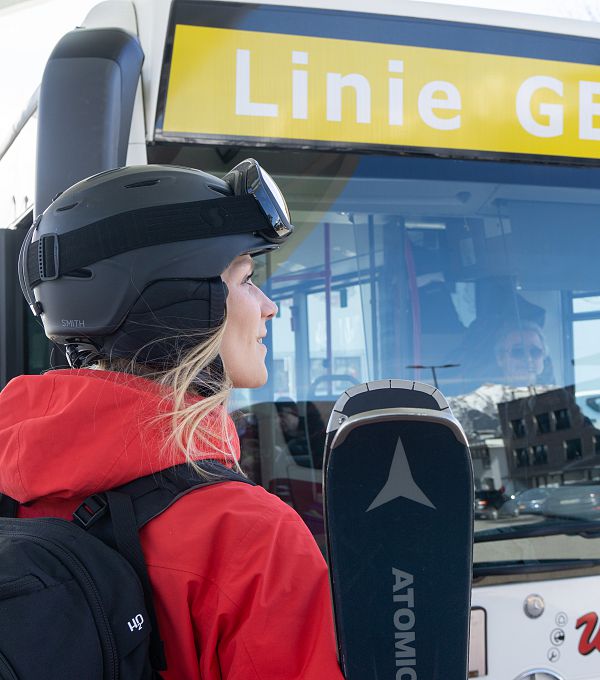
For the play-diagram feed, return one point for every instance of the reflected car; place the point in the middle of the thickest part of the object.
(492, 504)
(577, 501)
(532, 501)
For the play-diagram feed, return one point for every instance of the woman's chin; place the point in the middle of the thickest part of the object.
(250, 380)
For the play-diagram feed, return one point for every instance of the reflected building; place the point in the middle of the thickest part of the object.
(477, 412)
(490, 465)
(548, 440)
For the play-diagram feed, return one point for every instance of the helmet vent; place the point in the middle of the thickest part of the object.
(67, 207)
(79, 274)
(144, 183)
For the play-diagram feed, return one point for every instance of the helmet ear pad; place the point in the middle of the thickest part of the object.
(166, 320)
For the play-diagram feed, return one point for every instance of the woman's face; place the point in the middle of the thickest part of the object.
(248, 310)
(521, 357)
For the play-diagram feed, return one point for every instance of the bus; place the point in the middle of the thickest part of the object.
(442, 167)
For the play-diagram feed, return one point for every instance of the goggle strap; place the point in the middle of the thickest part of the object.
(54, 255)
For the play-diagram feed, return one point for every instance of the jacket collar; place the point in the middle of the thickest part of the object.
(71, 433)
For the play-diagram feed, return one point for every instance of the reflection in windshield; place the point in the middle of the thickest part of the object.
(476, 283)
(479, 277)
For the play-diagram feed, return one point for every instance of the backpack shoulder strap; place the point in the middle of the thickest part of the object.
(172, 484)
(116, 516)
(153, 494)
(8, 506)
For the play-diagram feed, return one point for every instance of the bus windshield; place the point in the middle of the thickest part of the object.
(479, 277)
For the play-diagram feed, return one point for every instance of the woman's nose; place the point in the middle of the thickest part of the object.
(269, 308)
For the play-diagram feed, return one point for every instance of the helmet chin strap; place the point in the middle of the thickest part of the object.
(81, 352)
(169, 318)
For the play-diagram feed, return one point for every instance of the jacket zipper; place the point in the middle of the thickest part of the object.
(6, 671)
(108, 643)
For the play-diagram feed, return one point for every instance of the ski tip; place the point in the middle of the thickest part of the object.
(338, 416)
(357, 389)
(402, 384)
(433, 392)
(335, 420)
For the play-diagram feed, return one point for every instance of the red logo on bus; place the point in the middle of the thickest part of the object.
(588, 644)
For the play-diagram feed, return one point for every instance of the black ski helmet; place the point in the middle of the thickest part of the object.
(127, 263)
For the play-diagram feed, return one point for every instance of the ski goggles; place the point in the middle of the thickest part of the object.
(256, 207)
(249, 179)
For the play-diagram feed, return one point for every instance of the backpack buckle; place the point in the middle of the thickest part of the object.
(90, 511)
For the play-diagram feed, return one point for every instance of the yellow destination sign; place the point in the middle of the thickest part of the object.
(229, 83)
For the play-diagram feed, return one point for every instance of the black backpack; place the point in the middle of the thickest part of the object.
(75, 599)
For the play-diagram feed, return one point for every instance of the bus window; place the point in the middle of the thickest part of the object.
(477, 277)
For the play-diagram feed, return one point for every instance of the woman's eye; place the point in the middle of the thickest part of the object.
(248, 279)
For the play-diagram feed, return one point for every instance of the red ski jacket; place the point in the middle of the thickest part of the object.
(240, 587)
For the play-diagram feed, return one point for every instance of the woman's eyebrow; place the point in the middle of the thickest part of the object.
(246, 269)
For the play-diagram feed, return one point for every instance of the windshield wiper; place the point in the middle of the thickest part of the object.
(481, 569)
(567, 526)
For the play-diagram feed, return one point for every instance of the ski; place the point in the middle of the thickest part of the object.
(398, 494)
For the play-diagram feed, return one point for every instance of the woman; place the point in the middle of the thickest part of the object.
(145, 275)
(521, 354)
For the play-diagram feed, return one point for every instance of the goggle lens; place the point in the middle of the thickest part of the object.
(248, 178)
(277, 195)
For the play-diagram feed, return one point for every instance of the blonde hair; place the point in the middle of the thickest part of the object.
(196, 424)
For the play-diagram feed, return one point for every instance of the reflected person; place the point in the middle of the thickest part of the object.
(521, 354)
